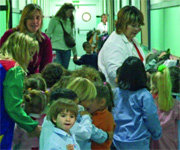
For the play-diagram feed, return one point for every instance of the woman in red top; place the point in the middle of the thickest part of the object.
(31, 24)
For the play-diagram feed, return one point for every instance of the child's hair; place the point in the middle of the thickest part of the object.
(161, 84)
(84, 89)
(52, 73)
(19, 47)
(35, 81)
(63, 82)
(104, 91)
(62, 93)
(87, 72)
(85, 44)
(34, 100)
(89, 35)
(132, 75)
(103, 77)
(61, 105)
(175, 78)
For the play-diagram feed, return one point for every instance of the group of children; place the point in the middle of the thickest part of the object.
(79, 110)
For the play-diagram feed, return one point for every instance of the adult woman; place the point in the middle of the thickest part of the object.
(31, 24)
(121, 43)
(103, 25)
(55, 32)
(15, 55)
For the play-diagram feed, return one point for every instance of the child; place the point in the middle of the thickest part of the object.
(168, 109)
(34, 104)
(83, 129)
(15, 55)
(101, 116)
(135, 112)
(62, 114)
(89, 59)
(52, 73)
(47, 126)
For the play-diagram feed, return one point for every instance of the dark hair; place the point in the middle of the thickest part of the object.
(35, 81)
(89, 35)
(175, 78)
(104, 91)
(126, 16)
(52, 72)
(132, 75)
(85, 44)
(102, 76)
(62, 12)
(62, 93)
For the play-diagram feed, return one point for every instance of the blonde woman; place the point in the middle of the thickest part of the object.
(15, 55)
(31, 22)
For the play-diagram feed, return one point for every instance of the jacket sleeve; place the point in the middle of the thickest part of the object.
(150, 116)
(98, 135)
(46, 49)
(50, 28)
(13, 90)
(80, 61)
(5, 36)
(83, 129)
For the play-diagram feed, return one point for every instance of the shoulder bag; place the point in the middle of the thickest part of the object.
(69, 40)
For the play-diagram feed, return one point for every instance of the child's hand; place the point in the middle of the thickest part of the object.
(75, 58)
(36, 132)
(70, 147)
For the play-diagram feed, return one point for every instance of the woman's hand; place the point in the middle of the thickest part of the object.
(70, 147)
(36, 132)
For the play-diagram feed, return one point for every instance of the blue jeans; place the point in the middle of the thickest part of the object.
(63, 57)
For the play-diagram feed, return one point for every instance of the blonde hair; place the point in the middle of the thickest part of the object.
(19, 47)
(161, 84)
(26, 14)
(84, 88)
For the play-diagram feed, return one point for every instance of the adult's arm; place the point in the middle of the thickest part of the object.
(46, 51)
(5, 36)
(13, 90)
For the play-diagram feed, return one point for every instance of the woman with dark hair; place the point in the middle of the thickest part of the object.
(121, 43)
(55, 32)
(135, 112)
(31, 22)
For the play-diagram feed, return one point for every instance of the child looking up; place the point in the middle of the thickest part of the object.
(168, 109)
(88, 59)
(135, 112)
(101, 117)
(62, 114)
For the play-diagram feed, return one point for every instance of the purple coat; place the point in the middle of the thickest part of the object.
(45, 53)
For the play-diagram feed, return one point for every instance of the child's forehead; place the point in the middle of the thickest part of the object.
(66, 111)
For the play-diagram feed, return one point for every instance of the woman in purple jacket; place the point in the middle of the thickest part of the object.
(31, 23)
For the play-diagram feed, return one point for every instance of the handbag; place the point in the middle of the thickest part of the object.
(69, 40)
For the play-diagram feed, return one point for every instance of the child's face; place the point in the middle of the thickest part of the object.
(65, 120)
(88, 49)
(96, 105)
(86, 104)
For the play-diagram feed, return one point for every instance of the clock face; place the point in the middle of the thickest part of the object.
(86, 16)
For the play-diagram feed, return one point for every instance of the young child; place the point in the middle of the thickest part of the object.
(35, 101)
(168, 109)
(62, 114)
(89, 59)
(52, 73)
(101, 116)
(135, 112)
(15, 55)
(47, 126)
(83, 129)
